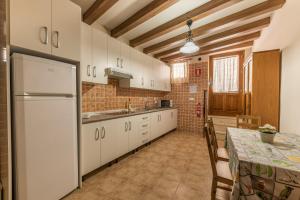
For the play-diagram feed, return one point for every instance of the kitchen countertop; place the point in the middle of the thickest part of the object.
(105, 116)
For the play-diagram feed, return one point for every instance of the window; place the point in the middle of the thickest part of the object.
(226, 74)
(179, 72)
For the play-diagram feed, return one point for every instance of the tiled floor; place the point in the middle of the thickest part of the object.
(174, 167)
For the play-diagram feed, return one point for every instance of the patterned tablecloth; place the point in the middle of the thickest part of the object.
(262, 170)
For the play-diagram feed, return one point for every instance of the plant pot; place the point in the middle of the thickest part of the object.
(267, 137)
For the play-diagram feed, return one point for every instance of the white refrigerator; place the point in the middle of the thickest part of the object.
(45, 128)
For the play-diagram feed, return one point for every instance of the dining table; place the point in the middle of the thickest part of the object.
(263, 170)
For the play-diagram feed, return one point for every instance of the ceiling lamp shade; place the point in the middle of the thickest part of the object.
(189, 46)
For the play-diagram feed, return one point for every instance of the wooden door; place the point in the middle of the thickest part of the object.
(99, 56)
(30, 24)
(86, 52)
(226, 104)
(90, 147)
(66, 25)
(265, 98)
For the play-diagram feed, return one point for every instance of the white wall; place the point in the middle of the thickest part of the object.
(290, 89)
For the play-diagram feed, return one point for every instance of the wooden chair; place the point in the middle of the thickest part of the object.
(220, 153)
(248, 121)
(222, 179)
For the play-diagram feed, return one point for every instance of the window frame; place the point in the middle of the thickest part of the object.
(240, 70)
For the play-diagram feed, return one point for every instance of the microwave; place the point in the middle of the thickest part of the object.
(165, 103)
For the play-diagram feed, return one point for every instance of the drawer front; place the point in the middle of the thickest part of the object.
(145, 125)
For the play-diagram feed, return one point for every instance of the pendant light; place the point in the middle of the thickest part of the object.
(189, 46)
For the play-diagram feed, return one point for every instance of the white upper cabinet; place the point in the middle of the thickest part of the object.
(86, 52)
(65, 37)
(125, 58)
(30, 24)
(45, 26)
(93, 55)
(99, 56)
(114, 53)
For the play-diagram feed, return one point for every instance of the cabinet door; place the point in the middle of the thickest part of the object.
(156, 130)
(174, 115)
(136, 69)
(66, 29)
(114, 52)
(133, 137)
(30, 24)
(125, 56)
(147, 75)
(90, 137)
(168, 78)
(122, 136)
(99, 56)
(86, 52)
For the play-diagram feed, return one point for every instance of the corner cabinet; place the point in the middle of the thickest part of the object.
(105, 141)
(93, 55)
(46, 27)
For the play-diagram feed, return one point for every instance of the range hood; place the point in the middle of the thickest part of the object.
(117, 73)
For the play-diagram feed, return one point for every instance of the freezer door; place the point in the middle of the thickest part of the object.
(46, 158)
(36, 75)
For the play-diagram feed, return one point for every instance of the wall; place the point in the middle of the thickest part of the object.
(4, 123)
(187, 102)
(290, 89)
(109, 97)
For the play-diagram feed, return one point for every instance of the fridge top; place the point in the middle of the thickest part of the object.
(34, 75)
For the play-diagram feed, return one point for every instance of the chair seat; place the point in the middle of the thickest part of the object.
(222, 154)
(222, 194)
(223, 170)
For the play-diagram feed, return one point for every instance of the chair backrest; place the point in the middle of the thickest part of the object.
(213, 137)
(210, 151)
(248, 121)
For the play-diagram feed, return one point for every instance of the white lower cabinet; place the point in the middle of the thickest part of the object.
(102, 142)
(90, 147)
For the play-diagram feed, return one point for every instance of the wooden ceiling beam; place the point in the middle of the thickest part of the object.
(97, 10)
(230, 48)
(217, 45)
(253, 26)
(253, 11)
(146, 13)
(180, 21)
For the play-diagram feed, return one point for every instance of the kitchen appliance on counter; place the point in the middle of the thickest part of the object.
(165, 103)
(45, 128)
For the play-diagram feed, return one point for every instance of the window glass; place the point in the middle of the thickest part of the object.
(226, 74)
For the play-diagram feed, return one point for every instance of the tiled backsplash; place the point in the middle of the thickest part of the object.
(109, 97)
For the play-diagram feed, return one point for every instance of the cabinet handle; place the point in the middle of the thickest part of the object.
(117, 62)
(103, 131)
(145, 125)
(145, 118)
(94, 72)
(172, 114)
(97, 135)
(144, 133)
(157, 117)
(143, 81)
(88, 70)
(55, 44)
(121, 62)
(144, 141)
(126, 126)
(130, 125)
(46, 38)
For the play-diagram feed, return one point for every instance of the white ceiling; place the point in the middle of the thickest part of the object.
(283, 30)
(126, 8)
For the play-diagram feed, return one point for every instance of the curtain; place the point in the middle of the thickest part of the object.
(226, 74)
(180, 72)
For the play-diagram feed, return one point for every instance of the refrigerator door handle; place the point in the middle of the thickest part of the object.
(47, 95)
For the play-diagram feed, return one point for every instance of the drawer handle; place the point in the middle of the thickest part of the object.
(145, 133)
(145, 125)
(145, 118)
(144, 141)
